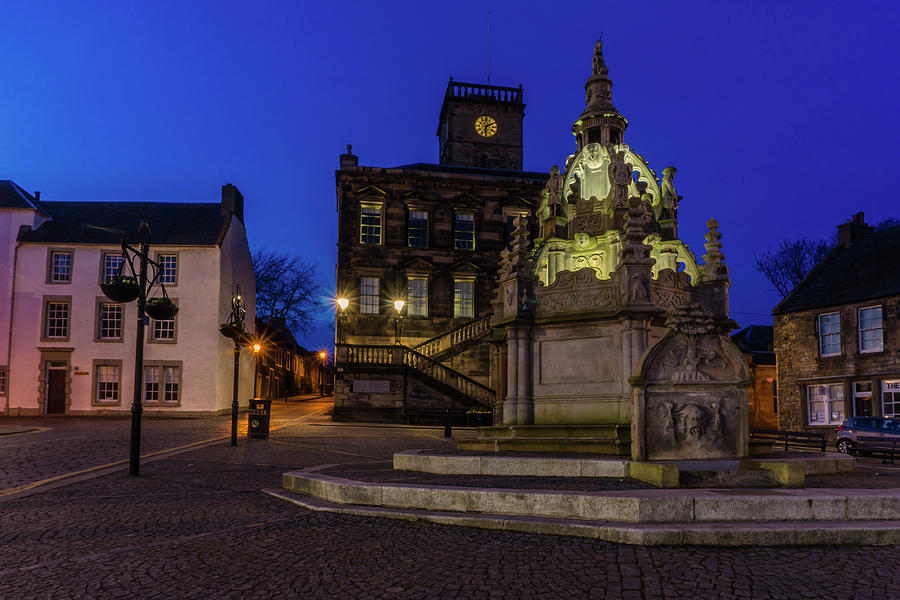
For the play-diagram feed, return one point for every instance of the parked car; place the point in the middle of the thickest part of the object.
(855, 434)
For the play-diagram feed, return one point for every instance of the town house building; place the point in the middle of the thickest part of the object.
(65, 348)
(837, 334)
(429, 236)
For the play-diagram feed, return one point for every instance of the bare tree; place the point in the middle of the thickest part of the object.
(286, 287)
(786, 265)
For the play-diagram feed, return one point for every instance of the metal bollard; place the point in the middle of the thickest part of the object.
(448, 426)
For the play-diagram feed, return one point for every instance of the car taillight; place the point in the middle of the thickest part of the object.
(841, 428)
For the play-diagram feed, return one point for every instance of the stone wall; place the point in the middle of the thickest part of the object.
(799, 363)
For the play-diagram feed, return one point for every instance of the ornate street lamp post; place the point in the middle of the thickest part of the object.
(234, 330)
(124, 288)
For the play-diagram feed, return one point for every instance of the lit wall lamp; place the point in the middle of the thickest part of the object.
(398, 306)
(342, 303)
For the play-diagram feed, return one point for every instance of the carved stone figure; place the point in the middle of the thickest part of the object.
(638, 288)
(553, 190)
(690, 393)
(669, 202)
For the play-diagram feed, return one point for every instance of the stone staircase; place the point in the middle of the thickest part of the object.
(456, 340)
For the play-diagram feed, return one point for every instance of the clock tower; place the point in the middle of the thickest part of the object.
(481, 126)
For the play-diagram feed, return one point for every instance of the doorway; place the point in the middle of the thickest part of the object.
(56, 390)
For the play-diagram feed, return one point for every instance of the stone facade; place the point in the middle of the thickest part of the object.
(431, 236)
(690, 394)
(837, 335)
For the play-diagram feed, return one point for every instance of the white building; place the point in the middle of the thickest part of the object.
(65, 348)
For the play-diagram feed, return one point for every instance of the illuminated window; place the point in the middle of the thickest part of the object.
(168, 264)
(464, 231)
(862, 399)
(370, 224)
(825, 404)
(110, 326)
(463, 298)
(107, 383)
(60, 267)
(870, 330)
(890, 398)
(111, 264)
(368, 295)
(57, 324)
(830, 334)
(418, 228)
(417, 297)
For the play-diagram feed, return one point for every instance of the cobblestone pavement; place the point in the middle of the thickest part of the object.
(60, 445)
(196, 526)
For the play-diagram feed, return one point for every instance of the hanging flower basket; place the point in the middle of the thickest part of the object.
(231, 331)
(161, 309)
(121, 288)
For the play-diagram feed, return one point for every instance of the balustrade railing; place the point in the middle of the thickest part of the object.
(458, 89)
(458, 335)
(403, 356)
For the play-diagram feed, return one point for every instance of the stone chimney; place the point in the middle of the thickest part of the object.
(232, 202)
(853, 229)
(349, 160)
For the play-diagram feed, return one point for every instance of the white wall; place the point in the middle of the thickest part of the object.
(206, 356)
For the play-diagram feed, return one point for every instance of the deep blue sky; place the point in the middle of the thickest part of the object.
(781, 116)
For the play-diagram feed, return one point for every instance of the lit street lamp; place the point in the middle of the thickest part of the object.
(256, 349)
(322, 355)
(342, 303)
(398, 306)
(125, 288)
(234, 329)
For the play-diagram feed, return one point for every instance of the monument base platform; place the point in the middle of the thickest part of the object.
(610, 438)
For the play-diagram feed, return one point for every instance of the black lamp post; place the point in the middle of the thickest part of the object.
(126, 288)
(342, 303)
(322, 356)
(234, 330)
(398, 306)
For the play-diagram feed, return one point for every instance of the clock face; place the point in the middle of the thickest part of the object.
(485, 126)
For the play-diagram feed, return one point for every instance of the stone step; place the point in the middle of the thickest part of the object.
(632, 506)
(760, 533)
(754, 479)
(575, 445)
(611, 431)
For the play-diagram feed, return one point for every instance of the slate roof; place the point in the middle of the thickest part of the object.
(171, 223)
(12, 196)
(474, 171)
(757, 340)
(866, 269)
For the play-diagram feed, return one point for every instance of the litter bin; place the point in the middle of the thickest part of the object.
(259, 414)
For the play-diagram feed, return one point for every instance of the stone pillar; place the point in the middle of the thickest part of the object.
(525, 404)
(510, 405)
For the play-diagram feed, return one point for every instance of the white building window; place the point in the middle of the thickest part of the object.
(57, 324)
(890, 398)
(825, 404)
(110, 326)
(830, 334)
(870, 330)
(162, 383)
(417, 297)
(60, 267)
(107, 384)
(163, 330)
(168, 264)
(368, 295)
(370, 223)
(111, 265)
(464, 231)
(463, 298)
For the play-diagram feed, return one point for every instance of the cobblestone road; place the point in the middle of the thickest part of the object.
(196, 526)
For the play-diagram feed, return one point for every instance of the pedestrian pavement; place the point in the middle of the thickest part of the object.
(196, 525)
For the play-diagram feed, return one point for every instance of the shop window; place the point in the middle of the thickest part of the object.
(825, 404)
